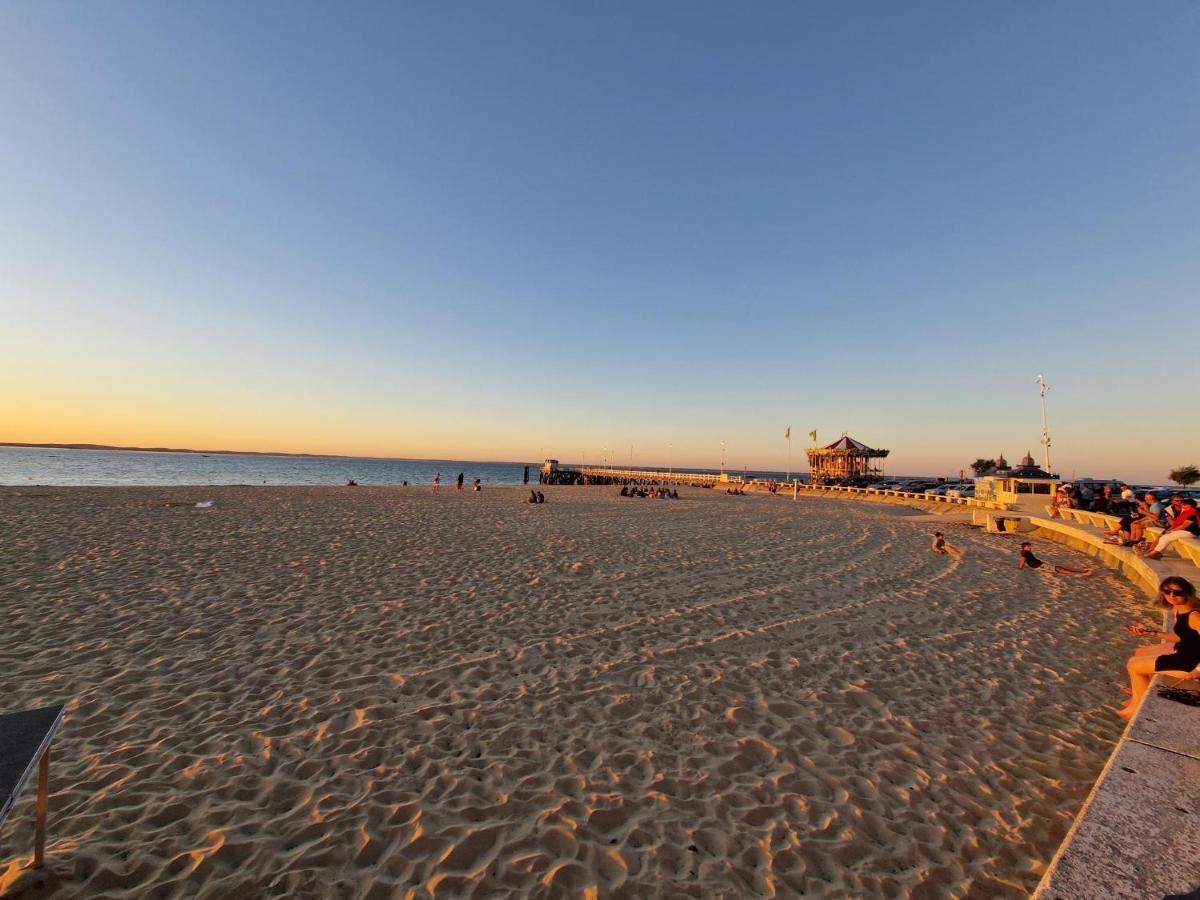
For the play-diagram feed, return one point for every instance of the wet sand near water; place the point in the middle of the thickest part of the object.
(383, 692)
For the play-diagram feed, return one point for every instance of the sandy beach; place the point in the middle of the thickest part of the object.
(386, 692)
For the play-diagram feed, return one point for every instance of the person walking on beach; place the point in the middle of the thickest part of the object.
(1179, 653)
(940, 546)
(1029, 561)
(437, 482)
(460, 480)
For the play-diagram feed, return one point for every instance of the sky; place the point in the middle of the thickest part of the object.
(623, 230)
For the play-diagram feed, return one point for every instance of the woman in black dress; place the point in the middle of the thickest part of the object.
(1179, 653)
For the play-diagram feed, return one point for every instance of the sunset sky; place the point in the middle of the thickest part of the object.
(503, 231)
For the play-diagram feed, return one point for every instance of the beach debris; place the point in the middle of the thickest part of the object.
(204, 504)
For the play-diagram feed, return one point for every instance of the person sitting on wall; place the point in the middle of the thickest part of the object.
(1029, 561)
(1179, 653)
(1150, 515)
(1185, 524)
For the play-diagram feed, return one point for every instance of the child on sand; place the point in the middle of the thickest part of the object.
(940, 546)
(1028, 560)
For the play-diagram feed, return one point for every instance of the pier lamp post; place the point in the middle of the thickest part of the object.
(670, 459)
(722, 457)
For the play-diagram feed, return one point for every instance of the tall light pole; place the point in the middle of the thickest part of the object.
(670, 459)
(1041, 383)
(722, 457)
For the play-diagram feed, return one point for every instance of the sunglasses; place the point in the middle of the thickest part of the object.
(1174, 592)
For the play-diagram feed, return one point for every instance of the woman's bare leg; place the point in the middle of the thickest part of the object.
(1154, 650)
(1141, 670)
(1074, 573)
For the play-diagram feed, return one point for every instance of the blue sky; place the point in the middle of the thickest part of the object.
(500, 230)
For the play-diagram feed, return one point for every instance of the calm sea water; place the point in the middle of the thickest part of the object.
(27, 466)
(49, 466)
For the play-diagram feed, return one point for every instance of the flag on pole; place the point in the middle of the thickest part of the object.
(813, 436)
(787, 435)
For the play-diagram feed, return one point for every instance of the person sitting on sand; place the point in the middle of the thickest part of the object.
(675, 494)
(532, 497)
(476, 486)
(1028, 560)
(1185, 524)
(351, 483)
(541, 497)
(1179, 653)
(940, 546)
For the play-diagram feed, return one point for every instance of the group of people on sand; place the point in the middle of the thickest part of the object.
(1177, 652)
(656, 493)
(476, 485)
(1025, 560)
(535, 497)
(735, 491)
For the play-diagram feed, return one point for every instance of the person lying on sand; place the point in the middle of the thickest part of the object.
(1028, 560)
(1179, 653)
(940, 546)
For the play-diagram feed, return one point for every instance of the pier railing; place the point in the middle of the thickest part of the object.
(604, 473)
(609, 475)
(872, 493)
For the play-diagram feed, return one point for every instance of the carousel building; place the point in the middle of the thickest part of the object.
(844, 459)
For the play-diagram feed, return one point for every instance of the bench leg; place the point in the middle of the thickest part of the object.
(43, 796)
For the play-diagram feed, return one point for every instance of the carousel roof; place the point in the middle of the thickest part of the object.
(847, 444)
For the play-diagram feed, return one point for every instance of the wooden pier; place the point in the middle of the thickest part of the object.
(552, 473)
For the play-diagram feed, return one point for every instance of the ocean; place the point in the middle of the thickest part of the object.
(50, 466)
(53, 466)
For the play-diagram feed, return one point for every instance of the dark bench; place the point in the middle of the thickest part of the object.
(25, 740)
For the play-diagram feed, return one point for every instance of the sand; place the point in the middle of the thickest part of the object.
(383, 692)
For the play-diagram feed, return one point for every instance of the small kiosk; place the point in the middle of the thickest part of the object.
(1017, 486)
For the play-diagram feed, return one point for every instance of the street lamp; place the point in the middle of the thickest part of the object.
(1045, 428)
(722, 457)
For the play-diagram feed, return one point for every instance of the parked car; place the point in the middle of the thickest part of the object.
(918, 485)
